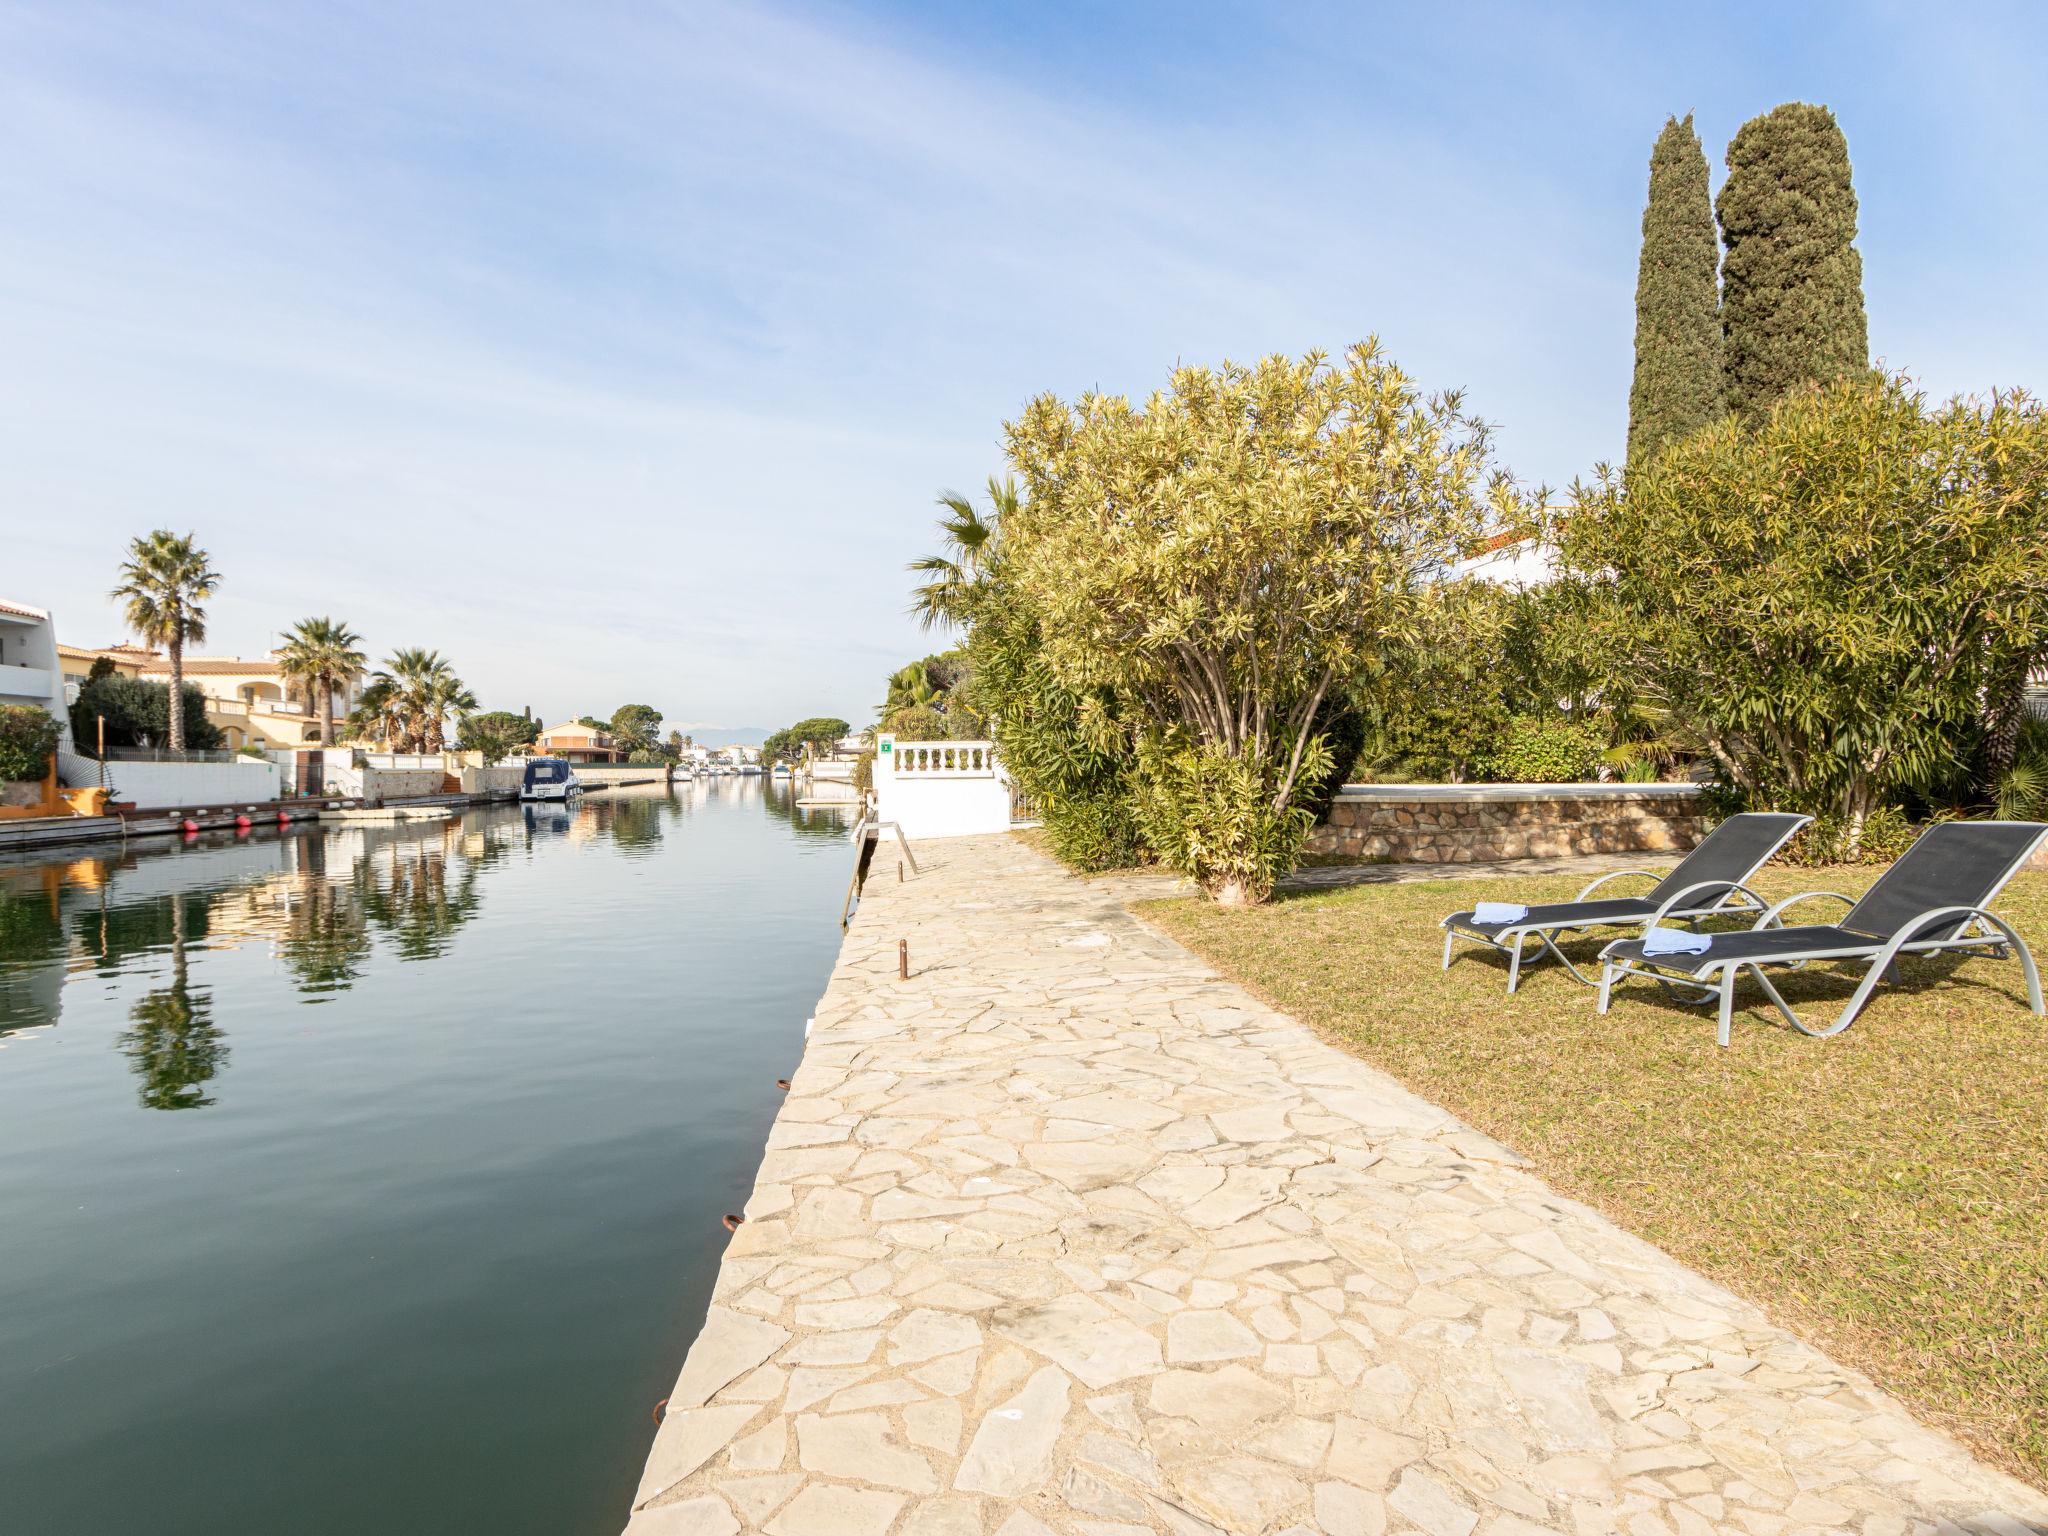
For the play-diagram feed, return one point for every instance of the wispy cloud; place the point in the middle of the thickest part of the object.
(619, 350)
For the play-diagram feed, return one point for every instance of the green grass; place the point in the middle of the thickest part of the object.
(1883, 1193)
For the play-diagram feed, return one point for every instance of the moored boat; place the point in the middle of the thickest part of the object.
(549, 778)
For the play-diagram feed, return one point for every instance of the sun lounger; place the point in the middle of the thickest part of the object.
(1707, 881)
(1935, 899)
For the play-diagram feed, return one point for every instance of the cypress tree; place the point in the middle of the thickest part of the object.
(1792, 280)
(1677, 388)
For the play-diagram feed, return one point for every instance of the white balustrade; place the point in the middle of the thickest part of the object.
(945, 759)
(941, 788)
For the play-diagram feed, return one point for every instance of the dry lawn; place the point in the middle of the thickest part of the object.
(1883, 1193)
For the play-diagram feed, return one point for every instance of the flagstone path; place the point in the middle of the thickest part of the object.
(1067, 1234)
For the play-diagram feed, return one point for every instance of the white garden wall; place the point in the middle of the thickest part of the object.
(157, 786)
(941, 788)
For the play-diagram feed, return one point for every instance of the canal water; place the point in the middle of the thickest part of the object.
(368, 1178)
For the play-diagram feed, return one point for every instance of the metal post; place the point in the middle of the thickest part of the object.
(903, 959)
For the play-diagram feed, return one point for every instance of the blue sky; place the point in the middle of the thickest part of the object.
(618, 350)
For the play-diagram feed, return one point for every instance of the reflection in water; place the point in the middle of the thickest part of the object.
(398, 1190)
(779, 797)
(413, 900)
(328, 902)
(174, 1047)
(326, 940)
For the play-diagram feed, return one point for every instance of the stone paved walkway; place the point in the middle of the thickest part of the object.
(1066, 1234)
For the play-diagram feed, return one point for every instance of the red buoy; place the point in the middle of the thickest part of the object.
(282, 819)
(189, 825)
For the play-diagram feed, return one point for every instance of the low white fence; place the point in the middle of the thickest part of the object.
(941, 788)
(157, 786)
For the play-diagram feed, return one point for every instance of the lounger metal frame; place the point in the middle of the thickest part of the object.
(1543, 932)
(1995, 941)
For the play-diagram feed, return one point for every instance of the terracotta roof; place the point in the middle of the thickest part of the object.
(1500, 541)
(216, 666)
(573, 728)
(21, 610)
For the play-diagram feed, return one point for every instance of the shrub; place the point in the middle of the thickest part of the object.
(1554, 751)
(135, 709)
(1821, 602)
(1434, 700)
(1092, 833)
(1208, 813)
(1063, 747)
(28, 736)
(1883, 836)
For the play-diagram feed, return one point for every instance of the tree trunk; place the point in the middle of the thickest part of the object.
(176, 646)
(2005, 710)
(326, 713)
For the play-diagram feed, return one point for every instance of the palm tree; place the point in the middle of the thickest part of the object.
(417, 690)
(376, 716)
(972, 541)
(163, 582)
(449, 697)
(320, 656)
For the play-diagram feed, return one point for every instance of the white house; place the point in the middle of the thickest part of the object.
(29, 672)
(1515, 560)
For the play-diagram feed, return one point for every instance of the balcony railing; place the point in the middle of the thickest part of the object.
(945, 759)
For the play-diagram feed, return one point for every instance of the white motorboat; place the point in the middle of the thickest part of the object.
(549, 778)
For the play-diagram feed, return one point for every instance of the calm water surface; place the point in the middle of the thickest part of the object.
(368, 1179)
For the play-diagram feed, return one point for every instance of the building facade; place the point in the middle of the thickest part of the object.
(29, 673)
(577, 743)
(249, 699)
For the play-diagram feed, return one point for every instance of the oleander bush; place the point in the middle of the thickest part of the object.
(1822, 602)
(1208, 571)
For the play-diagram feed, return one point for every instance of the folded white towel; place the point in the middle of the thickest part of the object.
(1499, 912)
(1658, 940)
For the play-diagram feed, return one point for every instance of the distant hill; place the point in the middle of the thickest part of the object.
(720, 735)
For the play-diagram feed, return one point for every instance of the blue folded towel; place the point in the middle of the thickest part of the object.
(1499, 912)
(1658, 940)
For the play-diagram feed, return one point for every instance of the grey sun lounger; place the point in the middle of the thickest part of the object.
(1934, 899)
(1707, 881)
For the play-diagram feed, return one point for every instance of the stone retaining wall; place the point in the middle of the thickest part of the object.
(1474, 823)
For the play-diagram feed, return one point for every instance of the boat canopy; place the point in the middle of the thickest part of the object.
(546, 770)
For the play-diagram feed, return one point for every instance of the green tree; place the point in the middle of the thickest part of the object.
(635, 727)
(1792, 280)
(815, 734)
(1223, 560)
(500, 727)
(320, 656)
(1819, 601)
(138, 713)
(971, 546)
(164, 580)
(1677, 388)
